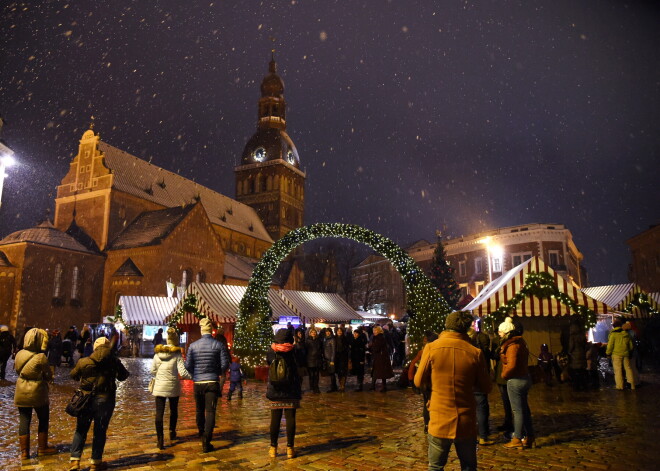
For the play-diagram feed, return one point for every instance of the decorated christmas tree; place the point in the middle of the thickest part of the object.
(442, 276)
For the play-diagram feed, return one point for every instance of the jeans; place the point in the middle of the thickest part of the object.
(100, 412)
(160, 412)
(275, 419)
(508, 413)
(518, 389)
(25, 417)
(483, 412)
(466, 449)
(206, 400)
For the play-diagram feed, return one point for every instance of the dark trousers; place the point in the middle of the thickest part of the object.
(508, 412)
(206, 400)
(313, 378)
(160, 412)
(3, 366)
(333, 382)
(25, 418)
(100, 412)
(233, 385)
(275, 419)
(426, 397)
(483, 412)
(466, 449)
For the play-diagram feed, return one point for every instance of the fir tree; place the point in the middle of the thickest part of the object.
(442, 276)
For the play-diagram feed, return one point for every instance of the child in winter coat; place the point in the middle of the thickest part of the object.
(235, 378)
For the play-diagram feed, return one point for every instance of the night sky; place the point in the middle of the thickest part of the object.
(407, 115)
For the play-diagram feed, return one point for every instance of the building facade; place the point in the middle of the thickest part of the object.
(377, 287)
(124, 226)
(645, 267)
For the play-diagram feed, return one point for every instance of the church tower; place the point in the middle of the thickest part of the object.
(269, 178)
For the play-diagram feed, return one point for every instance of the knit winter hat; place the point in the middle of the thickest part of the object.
(172, 337)
(459, 321)
(206, 326)
(101, 342)
(283, 336)
(507, 326)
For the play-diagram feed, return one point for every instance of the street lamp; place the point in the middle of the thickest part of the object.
(492, 250)
(6, 161)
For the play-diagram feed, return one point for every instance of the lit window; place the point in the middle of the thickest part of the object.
(74, 282)
(497, 265)
(57, 281)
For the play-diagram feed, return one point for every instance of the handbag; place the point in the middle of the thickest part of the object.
(151, 385)
(80, 402)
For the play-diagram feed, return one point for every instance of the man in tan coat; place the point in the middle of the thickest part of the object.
(455, 368)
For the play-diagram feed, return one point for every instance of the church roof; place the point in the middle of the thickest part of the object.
(146, 181)
(275, 142)
(150, 228)
(238, 267)
(45, 234)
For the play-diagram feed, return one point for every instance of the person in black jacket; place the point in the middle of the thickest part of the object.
(301, 353)
(285, 399)
(96, 373)
(342, 352)
(314, 349)
(358, 352)
(329, 352)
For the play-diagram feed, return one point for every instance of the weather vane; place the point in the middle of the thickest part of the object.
(272, 50)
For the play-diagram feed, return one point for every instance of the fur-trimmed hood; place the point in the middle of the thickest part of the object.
(165, 352)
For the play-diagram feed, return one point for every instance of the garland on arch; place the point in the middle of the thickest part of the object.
(426, 307)
(189, 306)
(640, 301)
(118, 318)
(542, 285)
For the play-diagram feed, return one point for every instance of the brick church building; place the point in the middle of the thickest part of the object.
(123, 226)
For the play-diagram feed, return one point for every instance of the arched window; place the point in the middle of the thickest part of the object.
(257, 183)
(276, 182)
(185, 278)
(57, 281)
(245, 186)
(269, 183)
(200, 277)
(75, 278)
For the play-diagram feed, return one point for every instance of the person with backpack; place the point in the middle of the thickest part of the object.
(283, 391)
(98, 374)
(34, 374)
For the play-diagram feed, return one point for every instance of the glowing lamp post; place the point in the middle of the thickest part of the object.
(492, 250)
(6, 160)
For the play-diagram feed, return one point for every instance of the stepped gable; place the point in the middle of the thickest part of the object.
(46, 234)
(150, 228)
(146, 181)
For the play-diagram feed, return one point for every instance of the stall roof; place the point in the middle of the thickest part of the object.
(220, 302)
(319, 307)
(499, 291)
(146, 310)
(618, 297)
(370, 316)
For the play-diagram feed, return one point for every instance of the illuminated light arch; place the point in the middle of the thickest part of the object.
(254, 334)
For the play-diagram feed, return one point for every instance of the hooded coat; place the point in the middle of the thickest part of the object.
(166, 367)
(33, 370)
(101, 369)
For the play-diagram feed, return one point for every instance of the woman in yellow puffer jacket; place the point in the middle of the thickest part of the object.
(34, 374)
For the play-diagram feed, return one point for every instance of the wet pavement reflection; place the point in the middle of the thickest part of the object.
(604, 429)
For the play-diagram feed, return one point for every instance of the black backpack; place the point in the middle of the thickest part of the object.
(279, 373)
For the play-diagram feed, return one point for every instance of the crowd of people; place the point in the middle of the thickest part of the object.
(453, 372)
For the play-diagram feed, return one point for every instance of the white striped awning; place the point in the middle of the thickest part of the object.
(370, 316)
(501, 290)
(314, 307)
(220, 302)
(146, 310)
(618, 297)
(655, 297)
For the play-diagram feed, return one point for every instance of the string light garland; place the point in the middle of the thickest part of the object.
(640, 301)
(118, 318)
(542, 285)
(189, 306)
(426, 307)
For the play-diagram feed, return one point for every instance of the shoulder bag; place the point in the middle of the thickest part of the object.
(80, 402)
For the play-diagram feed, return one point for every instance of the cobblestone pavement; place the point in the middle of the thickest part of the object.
(608, 429)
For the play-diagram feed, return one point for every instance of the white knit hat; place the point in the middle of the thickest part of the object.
(507, 326)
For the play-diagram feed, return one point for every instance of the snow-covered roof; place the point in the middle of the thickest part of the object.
(370, 316)
(46, 234)
(150, 228)
(238, 267)
(146, 181)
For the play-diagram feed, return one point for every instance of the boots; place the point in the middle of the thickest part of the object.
(74, 465)
(515, 443)
(172, 434)
(290, 452)
(229, 395)
(159, 441)
(24, 441)
(529, 442)
(272, 451)
(44, 447)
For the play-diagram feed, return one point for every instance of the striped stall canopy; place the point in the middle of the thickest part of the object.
(370, 316)
(655, 297)
(220, 302)
(146, 310)
(314, 307)
(501, 290)
(618, 297)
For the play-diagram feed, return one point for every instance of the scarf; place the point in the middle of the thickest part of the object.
(281, 347)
